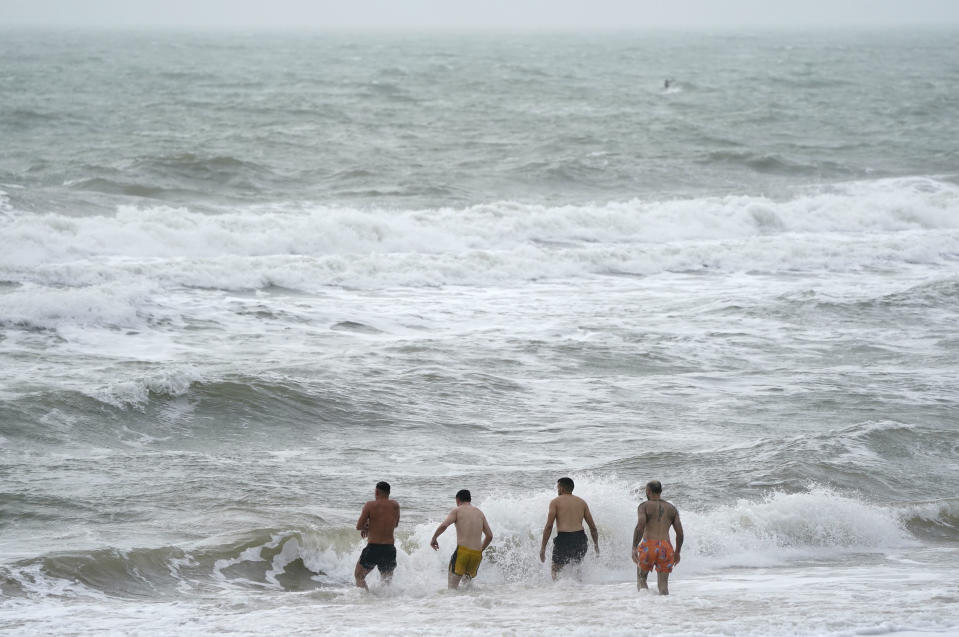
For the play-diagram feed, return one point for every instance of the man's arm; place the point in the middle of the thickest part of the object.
(548, 530)
(639, 530)
(678, 527)
(445, 524)
(487, 534)
(363, 524)
(592, 528)
(397, 522)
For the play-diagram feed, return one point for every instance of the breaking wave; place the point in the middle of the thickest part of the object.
(815, 525)
(894, 205)
(103, 270)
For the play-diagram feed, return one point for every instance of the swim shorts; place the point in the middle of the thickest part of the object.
(658, 553)
(465, 561)
(382, 556)
(569, 546)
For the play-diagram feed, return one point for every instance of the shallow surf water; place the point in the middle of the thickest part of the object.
(243, 278)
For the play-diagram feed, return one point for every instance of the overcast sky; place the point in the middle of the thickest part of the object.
(479, 14)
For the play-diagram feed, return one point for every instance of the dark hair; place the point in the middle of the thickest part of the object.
(463, 495)
(655, 486)
(566, 483)
(384, 487)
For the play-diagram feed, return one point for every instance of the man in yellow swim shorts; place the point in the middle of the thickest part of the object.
(473, 535)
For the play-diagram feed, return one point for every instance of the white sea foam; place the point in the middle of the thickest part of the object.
(320, 231)
(116, 305)
(722, 586)
(5, 207)
(881, 224)
(944, 512)
(135, 392)
(135, 295)
(817, 525)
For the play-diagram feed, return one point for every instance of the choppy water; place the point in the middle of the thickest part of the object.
(243, 278)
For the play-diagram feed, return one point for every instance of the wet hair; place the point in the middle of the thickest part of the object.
(384, 487)
(566, 483)
(463, 495)
(655, 486)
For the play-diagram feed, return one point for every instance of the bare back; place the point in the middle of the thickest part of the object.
(570, 510)
(660, 515)
(470, 524)
(379, 517)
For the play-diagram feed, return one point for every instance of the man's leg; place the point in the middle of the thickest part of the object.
(662, 580)
(641, 579)
(555, 570)
(386, 576)
(360, 573)
(452, 579)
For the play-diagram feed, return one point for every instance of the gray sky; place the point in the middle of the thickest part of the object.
(478, 14)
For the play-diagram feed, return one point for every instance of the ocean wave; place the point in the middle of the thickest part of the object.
(284, 559)
(923, 296)
(865, 457)
(931, 294)
(523, 263)
(162, 571)
(862, 458)
(163, 384)
(284, 400)
(125, 305)
(197, 167)
(933, 520)
(888, 206)
(817, 525)
(776, 164)
(130, 189)
(18, 119)
(153, 400)
(154, 407)
(902, 307)
(141, 386)
(119, 272)
(788, 526)
(173, 177)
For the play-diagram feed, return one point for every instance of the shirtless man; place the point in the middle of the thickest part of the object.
(377, 521)
(655, 516)
(568, 511)
(473, 535)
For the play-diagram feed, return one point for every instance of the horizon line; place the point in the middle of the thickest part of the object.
(482, 29)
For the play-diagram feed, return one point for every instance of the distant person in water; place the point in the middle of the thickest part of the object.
(666, 83)
(655, 516)
(568, 512)
(473, 535)
(377, 521)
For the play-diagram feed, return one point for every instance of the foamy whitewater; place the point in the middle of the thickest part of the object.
(245, 277)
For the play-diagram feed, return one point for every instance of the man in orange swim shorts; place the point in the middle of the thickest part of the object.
(655, 516)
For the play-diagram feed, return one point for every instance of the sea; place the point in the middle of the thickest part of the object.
(244, 276)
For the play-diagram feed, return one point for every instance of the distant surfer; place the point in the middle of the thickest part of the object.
(377, 521)
(473, 535)
(666, 84)
(568, 512)
(655, 516)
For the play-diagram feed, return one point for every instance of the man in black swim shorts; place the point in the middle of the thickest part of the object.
(569, 546)
(379, 556)
(568, 512)
(377, 521)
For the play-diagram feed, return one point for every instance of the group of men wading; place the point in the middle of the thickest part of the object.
(651, 545)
